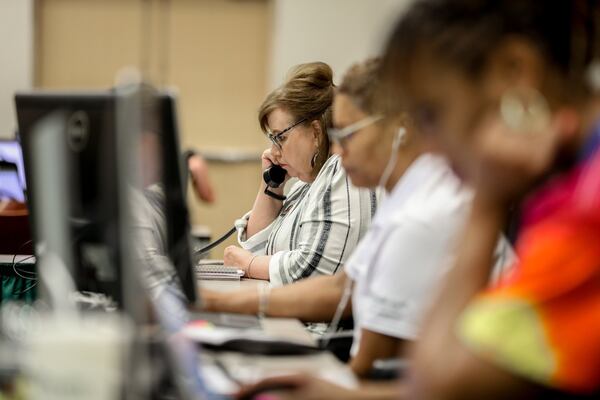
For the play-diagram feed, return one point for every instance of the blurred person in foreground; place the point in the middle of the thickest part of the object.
(508, 90)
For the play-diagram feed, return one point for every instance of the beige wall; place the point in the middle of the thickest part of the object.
(338, 32)
(16, 58)
(213, 51)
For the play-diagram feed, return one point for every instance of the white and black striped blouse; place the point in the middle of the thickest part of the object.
(318, 227)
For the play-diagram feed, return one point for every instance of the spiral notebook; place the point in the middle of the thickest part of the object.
(217, 270)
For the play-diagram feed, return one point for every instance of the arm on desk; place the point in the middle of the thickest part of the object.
(307, 387)
(254, 267)
(310, 300)
(375, 346)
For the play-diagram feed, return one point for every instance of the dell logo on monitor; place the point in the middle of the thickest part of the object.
(78, 131)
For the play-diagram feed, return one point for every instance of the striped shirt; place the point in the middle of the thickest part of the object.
(318, 227)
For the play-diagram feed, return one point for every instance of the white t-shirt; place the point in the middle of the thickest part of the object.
(408, 249)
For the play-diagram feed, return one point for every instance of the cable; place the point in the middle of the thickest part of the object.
(33, 276)
(15, 263)
(215, 243)
(339, 311)
(24, 271)
(389, 168)
(34, 284)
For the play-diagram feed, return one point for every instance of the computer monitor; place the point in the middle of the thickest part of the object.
(12, 171)
(79, 158)
(163, 184)
(90, 147)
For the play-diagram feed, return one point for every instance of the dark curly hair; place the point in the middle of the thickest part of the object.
(463, 33)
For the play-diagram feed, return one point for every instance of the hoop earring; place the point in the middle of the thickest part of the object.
(524, 110)
(313, 160)
(593, 75)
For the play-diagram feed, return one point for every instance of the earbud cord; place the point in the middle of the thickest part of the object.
(387, 172)
(339, 311)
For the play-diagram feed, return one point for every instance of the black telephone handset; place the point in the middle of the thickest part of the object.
(274, 176)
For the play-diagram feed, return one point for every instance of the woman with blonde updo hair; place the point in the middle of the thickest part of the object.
(319, 223)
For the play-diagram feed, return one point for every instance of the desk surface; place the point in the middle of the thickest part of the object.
(229, 286)
(249, 368)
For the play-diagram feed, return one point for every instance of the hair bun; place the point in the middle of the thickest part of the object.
(316, 74)
(307, 93)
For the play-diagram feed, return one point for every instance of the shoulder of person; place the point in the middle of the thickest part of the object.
(440, 198)
(332, 167)
(332, 173)
(297, 191)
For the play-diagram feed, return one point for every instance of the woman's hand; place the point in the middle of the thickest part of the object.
(508, 163)
(267, 159)
(265, 208)
(237, 257)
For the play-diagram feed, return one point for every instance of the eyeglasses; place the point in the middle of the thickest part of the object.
(277, 139)
(342, 135)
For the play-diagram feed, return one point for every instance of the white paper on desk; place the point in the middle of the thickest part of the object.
(217, 381)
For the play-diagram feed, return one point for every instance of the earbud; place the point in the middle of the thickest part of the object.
(400, 135)
(399, 138)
